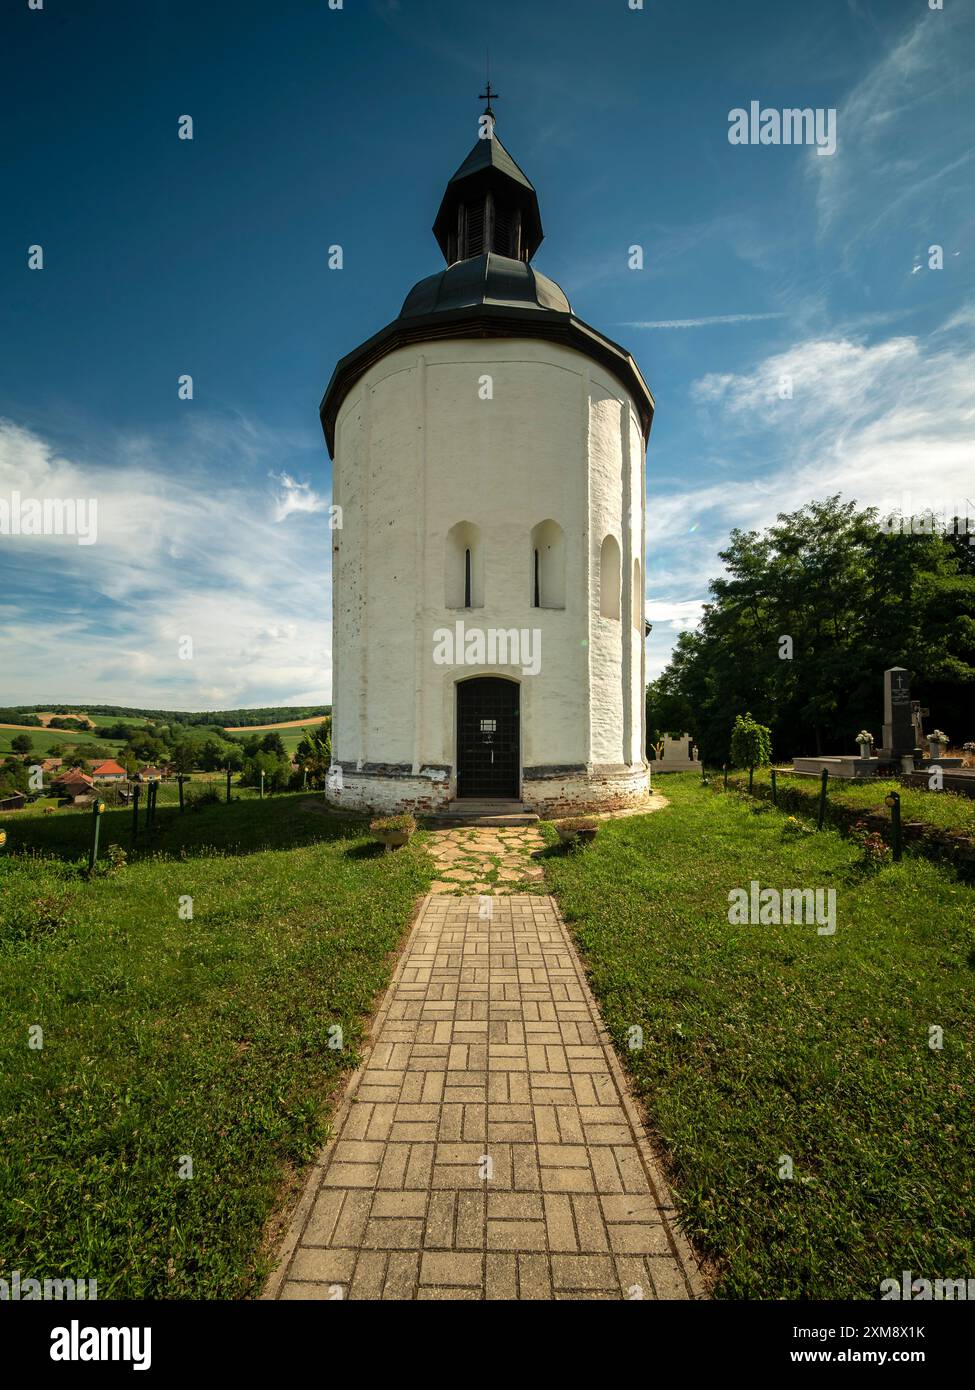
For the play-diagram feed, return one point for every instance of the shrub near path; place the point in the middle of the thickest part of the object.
(771, 1043)
(166, 1038)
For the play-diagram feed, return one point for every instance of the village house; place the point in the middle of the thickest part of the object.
(73, 785)
(109, 771)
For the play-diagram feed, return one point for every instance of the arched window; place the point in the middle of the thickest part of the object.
(638, 606)
(610, 578)
(464, 567)
(548, 565)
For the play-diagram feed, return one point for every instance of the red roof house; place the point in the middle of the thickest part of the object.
(109, 771)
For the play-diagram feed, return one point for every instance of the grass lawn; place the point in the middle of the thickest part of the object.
(949, 810)
(762, 1042)
(165, 1037)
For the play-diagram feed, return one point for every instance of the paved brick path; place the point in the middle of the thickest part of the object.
(488, 1147)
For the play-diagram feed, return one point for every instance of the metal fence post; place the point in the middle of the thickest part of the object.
(724, 768)
(822, 800)
(136, 791)
(893, 800)
(775, 795)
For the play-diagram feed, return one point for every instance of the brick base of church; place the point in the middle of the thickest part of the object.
(550, 792)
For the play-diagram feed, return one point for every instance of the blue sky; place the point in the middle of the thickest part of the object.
(315, 126)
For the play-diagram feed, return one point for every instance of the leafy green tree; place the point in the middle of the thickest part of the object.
(314, 754)
(13, 776)
(751, 742)
(211, 755)
(806, 619)
(272, 742)
(182, 758)
(22, 743)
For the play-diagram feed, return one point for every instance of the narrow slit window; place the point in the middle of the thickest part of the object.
(537, 600)
(467, 578)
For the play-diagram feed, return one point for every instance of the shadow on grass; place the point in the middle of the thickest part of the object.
(371, 849)
(238, 828)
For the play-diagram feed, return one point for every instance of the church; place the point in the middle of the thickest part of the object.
(489, 461)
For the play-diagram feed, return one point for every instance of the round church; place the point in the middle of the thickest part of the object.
(489, 456)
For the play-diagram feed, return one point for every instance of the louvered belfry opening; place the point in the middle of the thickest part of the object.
(476, 220)
(486, 224)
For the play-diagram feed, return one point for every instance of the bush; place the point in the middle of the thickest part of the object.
(751, 742)
(206, 796)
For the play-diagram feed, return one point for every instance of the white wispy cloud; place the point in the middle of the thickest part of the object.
(894, 144)
(182, 550)
(702, 322)
(891, 424)
(295, 496)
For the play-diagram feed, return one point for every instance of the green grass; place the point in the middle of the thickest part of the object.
(166, 1037)
(949, 810)
(43, 739)
(765, 1041)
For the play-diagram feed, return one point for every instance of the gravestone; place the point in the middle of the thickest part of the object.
(898, 716)
(676, 755)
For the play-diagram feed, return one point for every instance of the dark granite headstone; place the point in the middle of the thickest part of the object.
(898, 716)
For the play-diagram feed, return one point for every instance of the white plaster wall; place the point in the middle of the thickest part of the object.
(417, 450)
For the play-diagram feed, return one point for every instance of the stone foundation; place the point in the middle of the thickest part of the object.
(555, 792)
(550, 792)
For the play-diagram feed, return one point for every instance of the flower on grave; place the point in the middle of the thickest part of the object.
(968, 747)
(864, 737)
(939, 737)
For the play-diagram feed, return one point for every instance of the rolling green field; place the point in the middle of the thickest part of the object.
(167, 1038)
(764, 1044)
(289, 737)
(43, 739)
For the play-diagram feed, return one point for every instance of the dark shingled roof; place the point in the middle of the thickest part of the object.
(491, 154)
(488, 279)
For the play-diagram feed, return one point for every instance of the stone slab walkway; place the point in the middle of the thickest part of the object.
(487, 859)
(488, 1146)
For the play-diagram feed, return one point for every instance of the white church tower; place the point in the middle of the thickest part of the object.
(487, 579)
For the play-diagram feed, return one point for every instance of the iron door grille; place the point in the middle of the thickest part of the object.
(487, 738)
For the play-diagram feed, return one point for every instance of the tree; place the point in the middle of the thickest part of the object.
(314, 754)
(272, 742)
(802, 625)
(212, 756)
(23, 743)
(13, 776)
(277, 771)
(751, 743)
(182, 759)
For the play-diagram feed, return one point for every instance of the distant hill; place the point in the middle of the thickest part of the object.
(224, 718)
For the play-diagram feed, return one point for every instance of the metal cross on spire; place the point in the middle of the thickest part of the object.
(487, 96)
